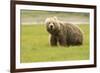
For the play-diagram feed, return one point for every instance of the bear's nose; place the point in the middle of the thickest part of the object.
(51, 26)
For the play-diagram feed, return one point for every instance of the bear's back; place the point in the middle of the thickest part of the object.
(74, 34)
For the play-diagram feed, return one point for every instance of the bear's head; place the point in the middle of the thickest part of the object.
(52, 25)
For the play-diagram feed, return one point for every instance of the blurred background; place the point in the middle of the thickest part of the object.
(30, 17)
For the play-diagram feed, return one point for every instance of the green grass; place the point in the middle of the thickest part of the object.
(35, 46)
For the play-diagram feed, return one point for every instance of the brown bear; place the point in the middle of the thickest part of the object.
(65, 34)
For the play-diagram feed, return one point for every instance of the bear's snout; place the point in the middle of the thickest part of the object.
(51, 26)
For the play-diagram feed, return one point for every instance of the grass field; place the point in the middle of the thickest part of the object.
(35, 46)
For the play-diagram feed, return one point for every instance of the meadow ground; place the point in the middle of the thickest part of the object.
(35, 46)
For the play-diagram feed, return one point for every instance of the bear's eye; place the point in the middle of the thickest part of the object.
(48, 23)
(53, 23)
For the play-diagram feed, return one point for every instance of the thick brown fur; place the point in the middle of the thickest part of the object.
(65, 34)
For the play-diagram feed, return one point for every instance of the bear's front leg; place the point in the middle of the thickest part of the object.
(62, 41)
(53, 40)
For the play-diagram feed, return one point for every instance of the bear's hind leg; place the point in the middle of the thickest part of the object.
(53, 41)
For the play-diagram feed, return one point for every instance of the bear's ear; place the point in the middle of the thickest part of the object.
(55, 18)
(47, 20)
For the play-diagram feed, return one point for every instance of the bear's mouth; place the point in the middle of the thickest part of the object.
(51, 27)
